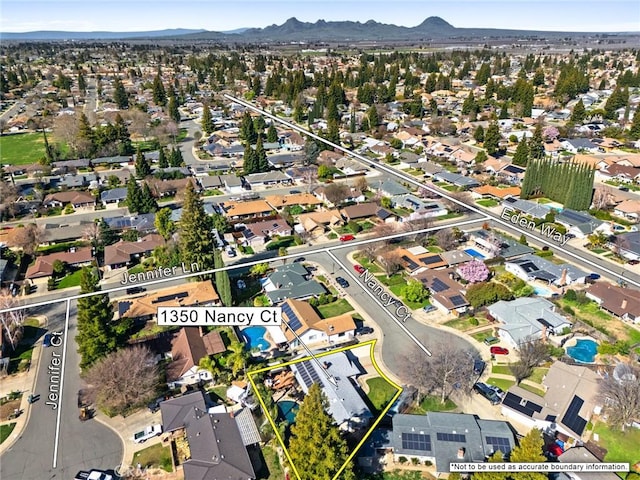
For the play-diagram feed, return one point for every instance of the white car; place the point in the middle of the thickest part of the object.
(149, 432)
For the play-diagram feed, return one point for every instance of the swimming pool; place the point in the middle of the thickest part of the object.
(287, 410)
(474, 253)
(541, 291)
(584, 351)
(254, 337)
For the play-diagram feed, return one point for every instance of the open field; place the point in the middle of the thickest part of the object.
(21, 148)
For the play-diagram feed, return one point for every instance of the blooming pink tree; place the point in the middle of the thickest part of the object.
(474, 271)
(550, 133)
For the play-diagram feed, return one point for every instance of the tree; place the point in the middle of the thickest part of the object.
(159, 93)
(163, 223)
(11, 321)
(120, 95)
(134, 196)
(196, 242)
(259, 269)
(474, 271)
(415, 291)
(480, 157)
(536, 144)
(372, 116)
(316, 447)
(272, 134)
(485, 293)
(492, 138)
(250, 161)
(174, 113)
(550, 133)
(446, 239)
(28, 238)
(237, 358)
(521, 157)
(478, 134)
(336, 192)
(163, 162)
(207, 121)
(529, 451)
(446, 370)
(175, 157)
(261, 156)
(132, 384)
(210, 364)
(95, 335)
(143, 167)
(634, 130)
(620, 394)
(496, 457)
(391, 262)
(531, 352)
(579, 112)
(223, 284)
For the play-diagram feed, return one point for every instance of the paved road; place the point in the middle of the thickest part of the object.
(82, 445)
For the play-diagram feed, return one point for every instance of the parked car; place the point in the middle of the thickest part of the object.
(149, 432)
(498, 390)
(491, 340)
(299, 259)
(428, 308)
(293, 192)
(478, 366)
(347, 238)
(496, 350)
(342, 282)
(594, 276)
(46, 341)
(135, 290)
(633, 262)
(487, 392)
(364, 331)
(359, 268)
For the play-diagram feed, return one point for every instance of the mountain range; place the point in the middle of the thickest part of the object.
(293, 30)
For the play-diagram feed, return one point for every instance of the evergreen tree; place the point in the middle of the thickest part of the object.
(529, 451)
(196, 243)
(163, 223)
(478, 134)
(483, 74)
(492, 138)
(247, 129)
(521, 157)
(497, 457)
(148, 204)
(174, 113)
(175, 158)
(122, 137)
(333, 132)
(372, 116)
(223, 284)
(85, 136)
(579, 112)
(143, 167)
(207, 120)
(272, 134)
(469, 104)
(504, 111)
(120, 95)
(250, 162)
(82, 83)
(634, 130)
(162, 158)
(316, 447)
(134, 196)
(159, 94)
(261, 156)
(95, 335)
(536, 144)
(106, 236)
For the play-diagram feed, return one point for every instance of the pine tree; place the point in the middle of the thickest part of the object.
(163, 223)
(143, 167)
(497, 457)
(529, 451)
(122, 136)
(469, 104)
(134, 196)
(174, 113)
(86, 136)
(316, 447)
(492, 138)
(372, 115)
(175, 157)
(521, 157)
(250, 162)
(272, 134)
(159, 94)
(333, 132)
(95, 335)
(120, 95)
(634, 130)
(196, 242)
(148, 204)
(261, 156)
(247, 129)
(207, 120)
(223, 284)
(579, 112)
(82, 83)
(162, 158)
(478, 134)
(536, 144)
(483, 74)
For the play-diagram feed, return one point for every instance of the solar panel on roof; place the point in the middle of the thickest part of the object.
(305, 376)
(574, 216)
(499, 443)
(438, 285)
(458, 300)
(521, 405)
(451, 437)
(571, 419)
(410, 263)
(173, 296)
(293, 320)
(431, 259)
(416, 441)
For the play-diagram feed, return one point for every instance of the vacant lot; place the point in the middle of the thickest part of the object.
(21, 148)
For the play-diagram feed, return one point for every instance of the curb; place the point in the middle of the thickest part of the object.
(98, 418)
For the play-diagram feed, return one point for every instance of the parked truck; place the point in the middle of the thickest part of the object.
(149, 432)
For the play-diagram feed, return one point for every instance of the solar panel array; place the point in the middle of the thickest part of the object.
(575, 217)
(293, 320)
(416, 441)
(527, 407)
(173, 296)
(499, 443)
(438, 285)
(451, 437)
(571, 419)
(308, 374)
(430, 259)
(410, 263)
(458, 300)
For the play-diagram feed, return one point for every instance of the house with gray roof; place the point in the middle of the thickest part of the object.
(628, 245)
(215, 442)
(443, 438)
(334, 373)
(580, 224)
(232, 183)
(575, 145)
(493, 244)
(580, 454)
(176, 214)
(456, 179)
(527, 318)
(533, 209)
(532, 267)
(118, 159)
(114, 196)
(291, 281)
(273, 177)
(143, 222)
(390, 188)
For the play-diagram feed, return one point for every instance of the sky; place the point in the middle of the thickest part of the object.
(144, 15)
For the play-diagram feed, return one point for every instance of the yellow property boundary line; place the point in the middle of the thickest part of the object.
(371, 344)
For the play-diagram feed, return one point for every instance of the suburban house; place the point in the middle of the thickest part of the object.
(351, 167)
(302, 324)
(278, 202)
(242, 210)
(628, 209)
(527, 318)
(188, 347)
(580, 224)
(75, 199)
(291, 281)
(317, 223)
(628, 245)
(532, 267)
(257, 234)
(490, 191)
(185, 295)
(419, 208)
(580, 454)
(359, 211)
(168, 188)
(580, 145)
(143, 222)
(390, 188)
(43, 266)
(345, 404)
(532, 209)
(456, 179)
(216, 442)
(446, 293)
(622, 302)
(121, 254)
(493, 244)
(442, 438)
(272, 177)
(570, 399)
(113, 196)
(417, 259)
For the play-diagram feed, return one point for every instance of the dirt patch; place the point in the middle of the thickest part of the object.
(8, 409)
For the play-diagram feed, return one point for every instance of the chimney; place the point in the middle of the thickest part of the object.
(461, 453)
(202, 332)
(623, 306)
(563, 278)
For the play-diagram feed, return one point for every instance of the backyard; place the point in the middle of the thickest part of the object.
(380, 392)
(621, 446)
(22, 148)
(335, 308)
(432, 404)
(155, 456)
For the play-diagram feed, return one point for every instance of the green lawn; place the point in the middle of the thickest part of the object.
(487, 202)
(449, 215)
(272, 461)
(396, 279)
(464, 324)
(372, 267)
(621, 446)
(503, 383)
(21, 148)
(154, 456)
(532, 389)
(380, 392)
(538, 374)
(334, 309)
(432, 404)
(71, 280)
(5, 431)
(434, 249)
(480, 336)
(501, 369)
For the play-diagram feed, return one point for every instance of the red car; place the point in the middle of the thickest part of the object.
(495, 350)
(346, 238)
(359, 268)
